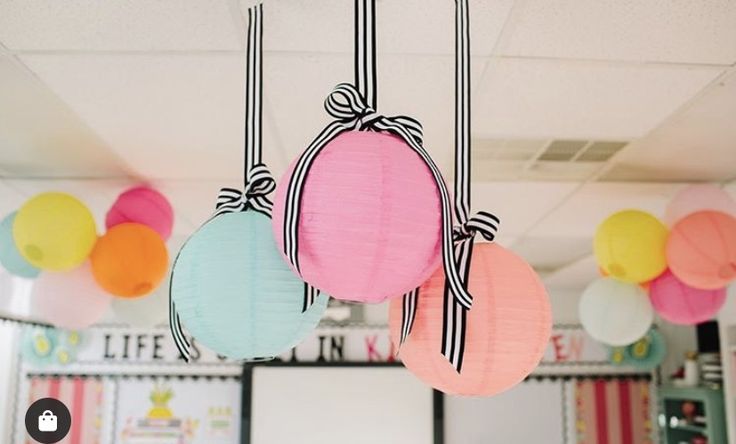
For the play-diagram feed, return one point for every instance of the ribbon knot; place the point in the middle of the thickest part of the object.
(348, 106)
(483, 223)
(254, 196)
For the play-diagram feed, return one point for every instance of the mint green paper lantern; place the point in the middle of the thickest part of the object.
(236, 295)
(10, 258)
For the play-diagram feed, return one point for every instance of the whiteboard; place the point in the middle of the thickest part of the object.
(531, 412)
(337, 405)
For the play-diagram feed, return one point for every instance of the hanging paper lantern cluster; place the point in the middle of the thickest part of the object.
(55, 233)
(684, 270)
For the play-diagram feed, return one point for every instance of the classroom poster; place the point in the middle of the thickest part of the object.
(173, 411)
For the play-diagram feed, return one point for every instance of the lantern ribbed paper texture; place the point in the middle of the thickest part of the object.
(701, 250)
(145, 206)
(679, 303)
(54, 231)
(370, 221)
(69, 300)
(508, 326)
(629, 245)
(615, 312)
(130, 260)
(10, 258)
(696, 198)
(236, 295)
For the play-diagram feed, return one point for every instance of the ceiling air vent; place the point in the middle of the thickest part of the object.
(580, 151)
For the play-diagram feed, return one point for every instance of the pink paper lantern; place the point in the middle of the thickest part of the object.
(701, 250)
(370, 224)
(699, 198)
(69, 300)
(145, 206)
(508, 327)
(681, 304)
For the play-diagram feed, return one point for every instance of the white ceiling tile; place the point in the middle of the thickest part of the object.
(697, 144)
(575, 276)
(589, 100)
(168, 116)
(519, 205)
(128, 25)
(581, 214)
(551, 253)
(41, 136)
(659, 30)
(405, 27)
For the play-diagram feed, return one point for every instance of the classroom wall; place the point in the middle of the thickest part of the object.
(7, 378)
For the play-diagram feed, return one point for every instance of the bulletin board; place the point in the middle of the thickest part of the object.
(339, 404)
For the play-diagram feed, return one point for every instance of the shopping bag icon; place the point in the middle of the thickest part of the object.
(47, 422)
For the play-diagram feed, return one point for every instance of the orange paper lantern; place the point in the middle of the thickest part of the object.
(130, 260)
(508, 327)
(701, 250)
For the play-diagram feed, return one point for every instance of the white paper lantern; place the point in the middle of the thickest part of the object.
(615, 312)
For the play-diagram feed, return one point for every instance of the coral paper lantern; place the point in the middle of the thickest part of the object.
(614, 312)
(130, 260)
(69, 300)
(370, 227)
(236, 295)
(10, 258)
(630, 245)
(697, 198)
(145, 206)
(679, 303)
(701, 250)
(54, 231)
(508, 326)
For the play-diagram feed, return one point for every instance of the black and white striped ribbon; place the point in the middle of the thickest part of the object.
(483, 223)
(259, 182)
(353, 108)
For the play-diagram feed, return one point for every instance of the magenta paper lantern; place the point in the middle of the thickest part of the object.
(699, 198)
(69, 300)
(681, 304)
(508, 327)
(145, 206)
(701, 249)
(370, 225)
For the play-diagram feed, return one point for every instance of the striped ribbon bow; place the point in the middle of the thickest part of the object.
(455, 310)
(260, 184)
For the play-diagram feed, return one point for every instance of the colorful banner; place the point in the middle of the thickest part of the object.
(569, 345)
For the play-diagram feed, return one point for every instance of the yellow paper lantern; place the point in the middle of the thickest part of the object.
(630, 246)
(54, 231)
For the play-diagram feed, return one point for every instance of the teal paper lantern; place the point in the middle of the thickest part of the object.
(234, 292)
(10, 258)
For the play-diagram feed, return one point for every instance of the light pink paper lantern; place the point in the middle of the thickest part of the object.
(701, 250)
(145, 206)
(370, 226)
(508, 327)
(69, 300)
(681, 304)
(698, 198)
